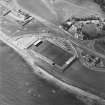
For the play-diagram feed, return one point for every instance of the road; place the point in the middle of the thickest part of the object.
(43, 74)
(62, 33)
(27, 7)
(30, 60)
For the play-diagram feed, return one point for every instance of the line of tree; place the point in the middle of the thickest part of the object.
(101, 3)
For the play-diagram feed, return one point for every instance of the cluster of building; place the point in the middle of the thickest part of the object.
(87, 28)
(93, 62)
(17, 15)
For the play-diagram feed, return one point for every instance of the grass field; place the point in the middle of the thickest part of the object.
(20, 86)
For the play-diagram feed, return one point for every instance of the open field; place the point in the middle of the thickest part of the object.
(13, 29)
(20, 86)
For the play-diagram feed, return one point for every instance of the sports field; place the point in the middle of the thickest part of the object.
(20, 86)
